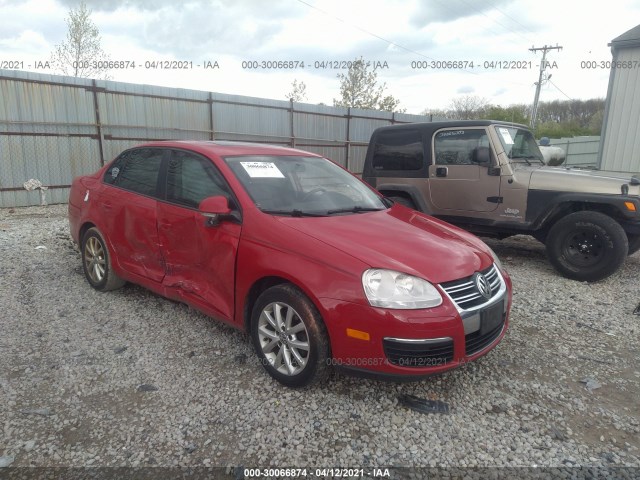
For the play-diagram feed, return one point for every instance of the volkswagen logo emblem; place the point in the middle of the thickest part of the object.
(483, 285)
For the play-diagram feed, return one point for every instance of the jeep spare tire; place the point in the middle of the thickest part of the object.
(587, 246)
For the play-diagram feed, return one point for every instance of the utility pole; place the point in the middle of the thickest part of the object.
(543, 66)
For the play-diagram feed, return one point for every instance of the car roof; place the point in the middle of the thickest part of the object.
(432, 126)
(229, 148)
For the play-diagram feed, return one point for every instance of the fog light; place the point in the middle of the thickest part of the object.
(360, 335)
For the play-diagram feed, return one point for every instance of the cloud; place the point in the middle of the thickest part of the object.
(450, 10)
(466, 89)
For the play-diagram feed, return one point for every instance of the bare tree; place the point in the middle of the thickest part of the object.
(298, 92)
(81, 54)
(359, 89)
(467, 107)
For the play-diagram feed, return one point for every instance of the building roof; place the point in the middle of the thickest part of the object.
(628, 39)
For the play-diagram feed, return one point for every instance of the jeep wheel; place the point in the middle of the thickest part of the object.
(587, 246)
(407, 202)
(634, 243)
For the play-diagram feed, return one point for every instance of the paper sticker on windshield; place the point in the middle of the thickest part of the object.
(262, 169)
(506, 136)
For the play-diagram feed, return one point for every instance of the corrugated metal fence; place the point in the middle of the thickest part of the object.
(581, 151)
(53, 128)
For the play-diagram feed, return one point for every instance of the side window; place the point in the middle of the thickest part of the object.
(461, 147)
(398, 150)
(191, 179)
(136, 170)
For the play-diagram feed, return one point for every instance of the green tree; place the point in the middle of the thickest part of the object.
(79, 54)
(359, 89)
(512, 113)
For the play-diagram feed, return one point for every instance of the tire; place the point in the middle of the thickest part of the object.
(634, 243)
(587, 246)
(96, 262)
(306, 366)
(407, 202)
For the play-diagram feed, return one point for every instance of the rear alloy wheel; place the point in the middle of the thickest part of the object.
(634, 243)
(587, 246)
(97, 263)
(290, 337)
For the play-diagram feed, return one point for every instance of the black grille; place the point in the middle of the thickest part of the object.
(416, 354)
(465, 293)
(476, 341)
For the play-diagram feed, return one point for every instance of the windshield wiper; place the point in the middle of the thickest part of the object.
(356, 209)
(294, 213)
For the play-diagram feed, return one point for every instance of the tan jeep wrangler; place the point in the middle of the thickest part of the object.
(489, 178)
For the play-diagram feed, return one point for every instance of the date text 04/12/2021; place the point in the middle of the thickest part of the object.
(316, 472)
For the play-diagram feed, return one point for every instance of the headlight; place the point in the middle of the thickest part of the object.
(390, 289)
(495, 258)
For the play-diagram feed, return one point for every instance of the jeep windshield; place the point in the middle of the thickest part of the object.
(519, 144)
(300, 186)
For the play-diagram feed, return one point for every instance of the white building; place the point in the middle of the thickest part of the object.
(620, 138)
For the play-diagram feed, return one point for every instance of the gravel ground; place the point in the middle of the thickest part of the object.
(128, 378)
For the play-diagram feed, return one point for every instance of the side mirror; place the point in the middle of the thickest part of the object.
(482, 156)
(215, 209)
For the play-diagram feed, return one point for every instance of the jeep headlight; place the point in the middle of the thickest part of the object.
(391, 289)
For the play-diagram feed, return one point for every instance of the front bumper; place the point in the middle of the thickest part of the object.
(414, 344)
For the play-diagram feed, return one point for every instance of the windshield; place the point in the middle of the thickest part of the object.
(302, 186)
(518, 143)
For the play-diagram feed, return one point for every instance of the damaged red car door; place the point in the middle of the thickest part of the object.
(127, 203)
(199, 257)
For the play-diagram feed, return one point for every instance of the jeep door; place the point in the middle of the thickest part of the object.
(461, 176)
(199, 258)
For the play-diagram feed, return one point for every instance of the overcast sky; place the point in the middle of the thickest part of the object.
(313, 31)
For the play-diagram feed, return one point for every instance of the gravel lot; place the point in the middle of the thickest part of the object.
(128, 378)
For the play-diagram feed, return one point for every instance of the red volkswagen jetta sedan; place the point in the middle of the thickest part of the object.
(321, 270)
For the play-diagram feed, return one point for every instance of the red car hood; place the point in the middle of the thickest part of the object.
(400, 239)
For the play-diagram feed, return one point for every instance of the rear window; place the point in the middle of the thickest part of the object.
(136, 170)
(398, 150)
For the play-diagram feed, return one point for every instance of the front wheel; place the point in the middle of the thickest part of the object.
(634, 243)
(290, 337)
(587, 246)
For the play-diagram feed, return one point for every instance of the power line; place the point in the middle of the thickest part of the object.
(394, 44)
(510, 17)
(377, 36)
(559, 89)
(368, 32)
(496, 21)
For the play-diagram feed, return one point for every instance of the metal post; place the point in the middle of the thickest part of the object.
(96, 110)
(293, 134)
(211, 132)
(348, 142)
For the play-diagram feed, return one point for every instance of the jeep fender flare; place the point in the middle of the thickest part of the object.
(553, 204)
(407, 190)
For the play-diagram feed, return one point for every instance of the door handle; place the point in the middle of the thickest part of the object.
(442, 171)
